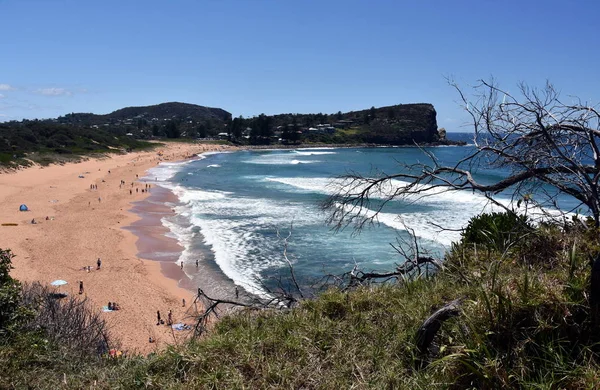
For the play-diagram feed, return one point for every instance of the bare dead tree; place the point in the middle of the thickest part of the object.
(416, 262)
(549, 148)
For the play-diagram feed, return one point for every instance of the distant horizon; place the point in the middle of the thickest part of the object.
(275, 56)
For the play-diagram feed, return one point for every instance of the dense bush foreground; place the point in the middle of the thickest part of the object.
(524, 323)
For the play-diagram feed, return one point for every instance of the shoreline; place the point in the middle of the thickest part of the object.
(155, 243)
(84, 224)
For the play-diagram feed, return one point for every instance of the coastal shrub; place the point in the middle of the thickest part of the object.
(497, 230)
(68, 322)
(9, 292)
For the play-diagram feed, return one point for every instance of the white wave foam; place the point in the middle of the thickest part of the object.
(278, 159)
(165, 170)
(242, 237)
(441, 226)
(184, 236)
(306, 184)
(213, 166)
(187, 195)
(319, 148)
(295, 162)
(428, 195)
(312, 153)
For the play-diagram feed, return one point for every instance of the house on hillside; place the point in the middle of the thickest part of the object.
(326, 128)
(343, 124)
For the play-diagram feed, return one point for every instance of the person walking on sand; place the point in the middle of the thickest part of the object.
(170, 318)
(80, 287)
(98, 263)
(158, 317)
(181, 264)
(196, 263)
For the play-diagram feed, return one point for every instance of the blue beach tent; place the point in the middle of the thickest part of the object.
(23, 208)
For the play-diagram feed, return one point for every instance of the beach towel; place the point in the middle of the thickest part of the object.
(181, 326)
(105, 309)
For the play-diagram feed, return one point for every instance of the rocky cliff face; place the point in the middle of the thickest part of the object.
(401, 124)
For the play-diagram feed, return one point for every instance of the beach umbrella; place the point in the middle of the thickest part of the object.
(58, 283)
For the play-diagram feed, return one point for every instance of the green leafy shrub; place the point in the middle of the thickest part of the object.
(497, 231)
(9, 292)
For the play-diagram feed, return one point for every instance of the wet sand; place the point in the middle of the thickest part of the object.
(154, 244)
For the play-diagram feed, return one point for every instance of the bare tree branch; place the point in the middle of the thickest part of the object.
(545, 146)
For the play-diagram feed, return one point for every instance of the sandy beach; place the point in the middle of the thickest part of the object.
(85, 224)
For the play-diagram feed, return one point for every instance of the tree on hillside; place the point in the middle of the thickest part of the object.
(237, 127)
(548, 146)
(172, 130)
(201, 130)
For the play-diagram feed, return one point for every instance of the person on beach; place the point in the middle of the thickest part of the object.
(183, 302)
(80, 287)
(181, 264)
(130, 192)
(170, 318)
(196, 263)
(98, 263)
(158, 317)
(110, 306)
(99, 199)
(237, 292)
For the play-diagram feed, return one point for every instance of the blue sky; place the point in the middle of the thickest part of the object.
(275, 56)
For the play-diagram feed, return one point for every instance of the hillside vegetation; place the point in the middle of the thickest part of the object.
(523, 321)
(22, 143)
(77, 134)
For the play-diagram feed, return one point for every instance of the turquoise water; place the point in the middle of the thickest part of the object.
(232, 206)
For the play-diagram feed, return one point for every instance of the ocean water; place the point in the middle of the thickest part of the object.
(235, 207)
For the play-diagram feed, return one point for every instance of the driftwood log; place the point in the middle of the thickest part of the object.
(427, 331)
